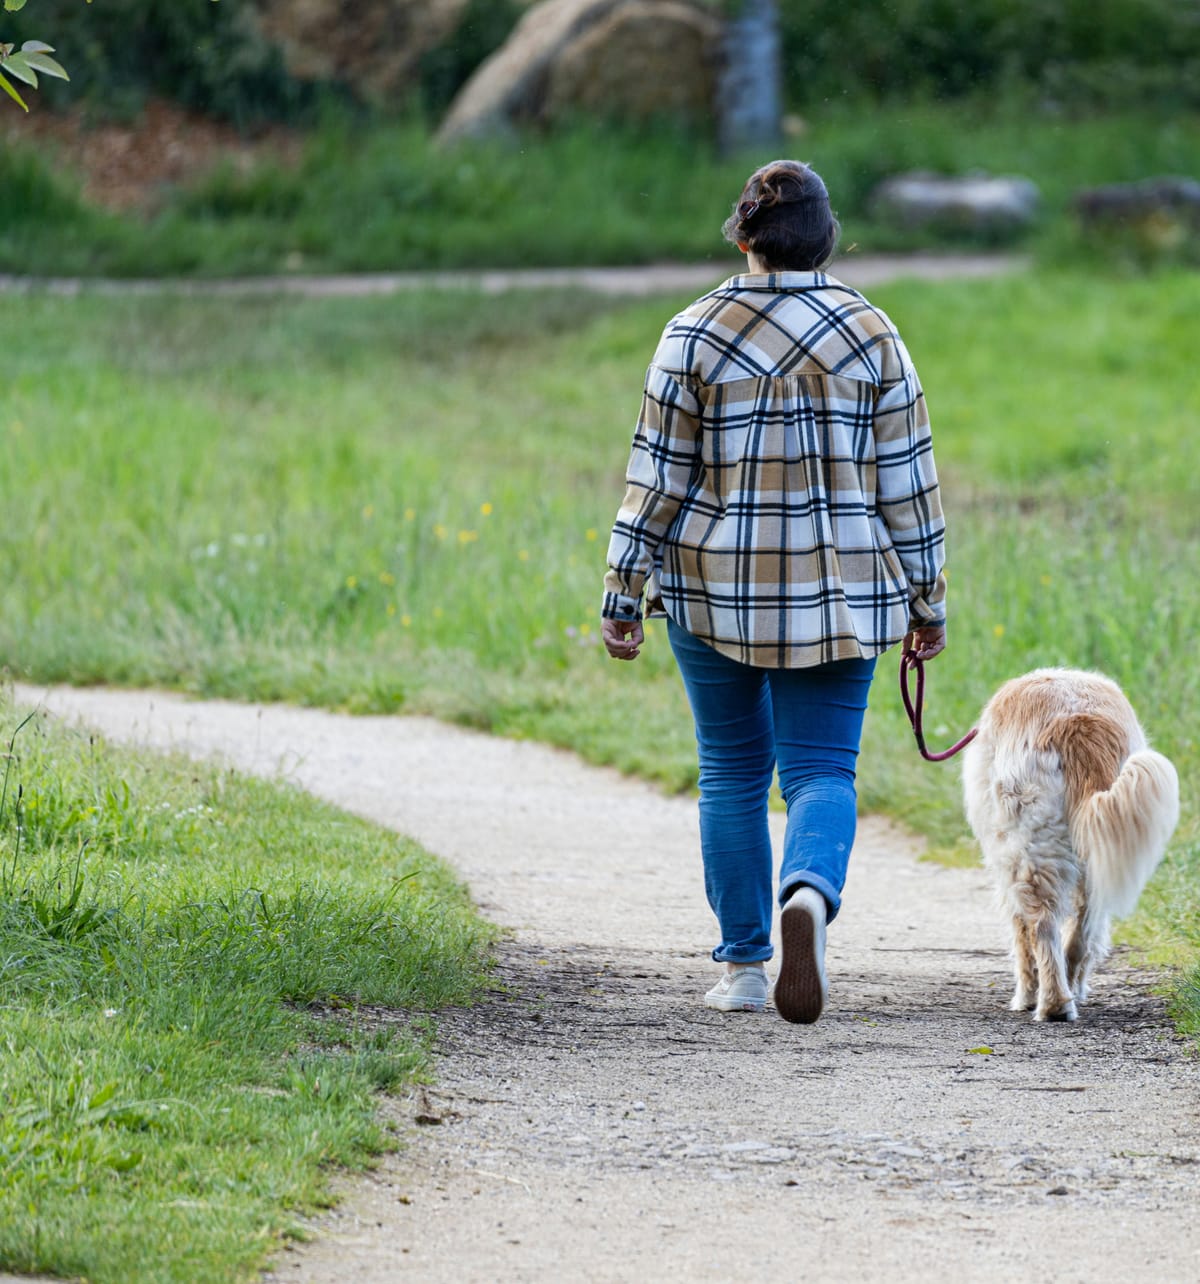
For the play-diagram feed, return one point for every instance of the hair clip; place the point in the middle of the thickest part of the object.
(747, 210)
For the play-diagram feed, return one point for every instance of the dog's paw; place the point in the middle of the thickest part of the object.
(1021, 1002)
(1066, 1013)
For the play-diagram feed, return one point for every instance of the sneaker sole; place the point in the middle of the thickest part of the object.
(799, 992)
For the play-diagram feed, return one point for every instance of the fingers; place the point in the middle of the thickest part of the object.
(622, 638)
(931, 642)
(623, 650)
(925, 643)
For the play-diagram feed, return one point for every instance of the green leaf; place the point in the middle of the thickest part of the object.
(982, 1051)
(128, 1159)
(8, 88)
(36, 46)
(14, 6)
(47, 66)
(102, 1096)
(17, 66)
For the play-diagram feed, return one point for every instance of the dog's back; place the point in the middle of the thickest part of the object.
(1071, 807)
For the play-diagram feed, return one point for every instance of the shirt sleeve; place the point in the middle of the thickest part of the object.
(662, 463)
(908, 497)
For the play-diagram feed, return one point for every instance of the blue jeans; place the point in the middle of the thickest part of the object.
(808, 722)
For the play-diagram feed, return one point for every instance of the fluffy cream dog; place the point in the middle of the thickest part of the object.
(1073, 811)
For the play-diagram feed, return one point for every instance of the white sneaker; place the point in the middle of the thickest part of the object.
(801, 987)
(742, 990)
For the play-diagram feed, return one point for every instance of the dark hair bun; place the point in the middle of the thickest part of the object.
(783, 215)
(786, 182)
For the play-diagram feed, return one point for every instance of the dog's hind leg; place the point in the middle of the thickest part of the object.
(1024, 967)
(1087, 947)
(1055, 1001)
(1078, 963)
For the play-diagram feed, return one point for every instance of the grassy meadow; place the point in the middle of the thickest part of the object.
(402, 505)
(372, 195)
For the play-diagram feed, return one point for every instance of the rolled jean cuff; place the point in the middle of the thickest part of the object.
(759, 955)
(833, 898)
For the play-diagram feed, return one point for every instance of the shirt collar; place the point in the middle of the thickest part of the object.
(780, 282)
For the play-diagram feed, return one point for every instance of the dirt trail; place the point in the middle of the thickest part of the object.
(593, 1122)
(859, 270)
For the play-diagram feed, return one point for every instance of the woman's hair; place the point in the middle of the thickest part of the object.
(783, 215)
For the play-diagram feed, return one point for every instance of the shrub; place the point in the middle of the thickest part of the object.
(33, 194)
(216, 59)
(1081, 52)
(209, 57)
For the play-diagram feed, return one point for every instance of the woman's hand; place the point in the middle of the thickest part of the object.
(622, 638)
(927, 642)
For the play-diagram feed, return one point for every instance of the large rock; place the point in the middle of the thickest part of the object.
(978, 204)
(644, 59)
(626, 57)
(510, 84)
(1162, 213)
(375, 44)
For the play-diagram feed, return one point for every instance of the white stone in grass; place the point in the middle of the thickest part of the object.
(973, 203)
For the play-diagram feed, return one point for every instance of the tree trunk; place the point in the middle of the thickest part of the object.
(749, 87)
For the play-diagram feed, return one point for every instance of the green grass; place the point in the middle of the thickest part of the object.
(388, 197)
(402, 505)
(188, 964)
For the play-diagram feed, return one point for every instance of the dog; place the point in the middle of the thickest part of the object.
(1072, 810)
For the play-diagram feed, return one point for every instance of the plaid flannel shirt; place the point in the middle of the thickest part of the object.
(781, 497)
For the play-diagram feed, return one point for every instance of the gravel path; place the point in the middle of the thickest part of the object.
(591, 1121)
(859, 270)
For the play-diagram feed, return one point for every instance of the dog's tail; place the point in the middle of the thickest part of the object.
(1120, 832)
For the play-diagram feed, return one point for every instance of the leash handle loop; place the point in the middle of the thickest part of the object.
(910, 663)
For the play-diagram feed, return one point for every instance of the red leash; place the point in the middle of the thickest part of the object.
(910, 662)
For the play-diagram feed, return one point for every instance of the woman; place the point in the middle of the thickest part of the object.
(782, 509)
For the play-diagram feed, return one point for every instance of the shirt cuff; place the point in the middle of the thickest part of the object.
(619, 607)
(936, 621)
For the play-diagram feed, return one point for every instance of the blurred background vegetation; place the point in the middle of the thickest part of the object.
(232, 60)
(304, 139)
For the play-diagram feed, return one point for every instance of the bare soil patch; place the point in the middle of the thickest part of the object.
(130, 166)
(590, 1120)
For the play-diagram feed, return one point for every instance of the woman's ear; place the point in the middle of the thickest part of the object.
(745, 249)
